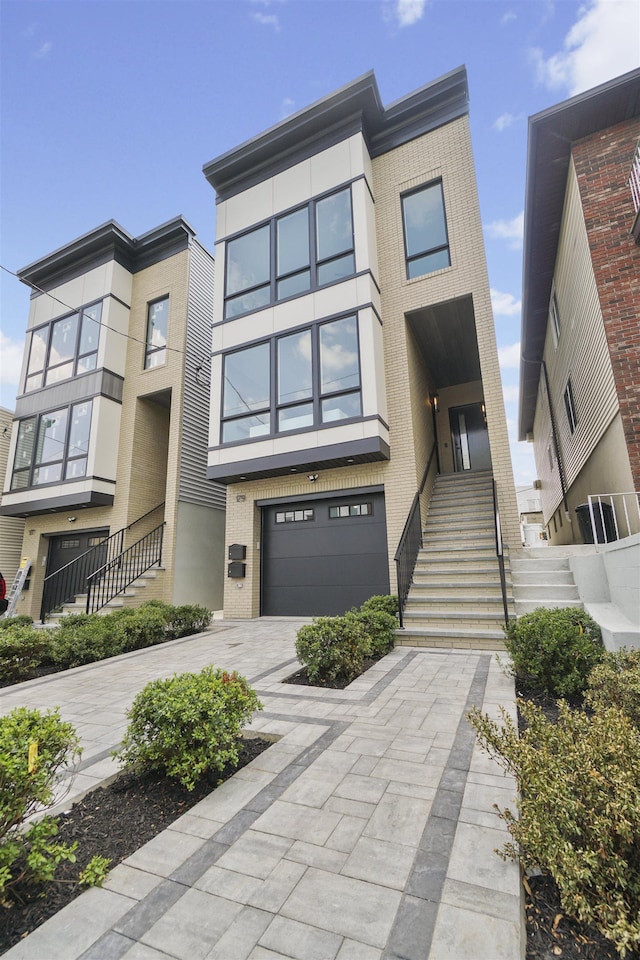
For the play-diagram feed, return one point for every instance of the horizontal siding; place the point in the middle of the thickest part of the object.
(194, 487)
(582, 354)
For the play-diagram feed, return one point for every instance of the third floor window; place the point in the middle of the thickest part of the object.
(425, 230)
(291, 254)
(65, 348)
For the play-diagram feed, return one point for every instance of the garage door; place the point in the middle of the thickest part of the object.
(323, 556)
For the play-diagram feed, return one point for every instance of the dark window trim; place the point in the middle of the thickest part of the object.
(294, 519)
(423, 253)
(570, 407)
(554, 314)
(317, 396)
(351, 506)
(149, 351)
(64, 460)
(75, 359)
(314, 263)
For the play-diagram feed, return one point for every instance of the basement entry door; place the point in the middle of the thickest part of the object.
(320, 557)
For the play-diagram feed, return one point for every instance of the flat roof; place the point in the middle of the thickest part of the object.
(356, 106)
(551, 135)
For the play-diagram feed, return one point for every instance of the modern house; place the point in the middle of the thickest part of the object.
(11, 528)
(354, 357)
(580, 369)
(108, 448)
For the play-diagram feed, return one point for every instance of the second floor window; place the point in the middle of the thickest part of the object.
(425, 230)
(299, 251)
(554, 314)
(292, 382)
(157, 325)
(52, 447)
(64, 348)
(570, 407)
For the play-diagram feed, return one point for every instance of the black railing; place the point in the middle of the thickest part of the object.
(114, 576)
(500, 553)
(410, 542)
(65, 584)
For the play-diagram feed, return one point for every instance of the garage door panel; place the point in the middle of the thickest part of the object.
(327, 565)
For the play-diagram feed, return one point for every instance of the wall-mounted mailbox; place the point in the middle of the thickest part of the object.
(237, 551)
(236, 570)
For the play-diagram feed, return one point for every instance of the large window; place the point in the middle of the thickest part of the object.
(52, 447)
(425, 230)
(307, 248)
(65, 348)
(292, 382)
(157, 324)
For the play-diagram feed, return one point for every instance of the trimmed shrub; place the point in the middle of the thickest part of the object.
(616, 683)
(8, 623)
(188, 725)
(84, 638)
(35, 750)
(554, 650)
(387, 603)
(333, 648)
(187, 619)
(579, 810)
(22, 649)
(379, 628)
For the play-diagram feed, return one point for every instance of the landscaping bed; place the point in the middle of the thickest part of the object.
(112, 822)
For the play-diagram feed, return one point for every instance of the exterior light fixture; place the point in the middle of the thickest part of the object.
(312, 477)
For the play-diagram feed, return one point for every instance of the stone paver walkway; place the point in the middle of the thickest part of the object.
(366, 831)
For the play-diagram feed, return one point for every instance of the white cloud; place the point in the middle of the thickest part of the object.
(287, 107)
(503, 121)
(43, 50)
(511, 392)
(509, 356)
(408, 12)
(267, 20)
(11, 352)
(508, 17)
(505, 304)
(511, 230)
(603, 43)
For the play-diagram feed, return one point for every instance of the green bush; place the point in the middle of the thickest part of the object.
(333, 648)
(8, 623)
(579, 810)
(380, 629)
(616, 683)
(188, 724)
(554, 650)
(387, 603)
(27, 784)
(22, 649)
(84, 638)
(138, 627)
(187, 619)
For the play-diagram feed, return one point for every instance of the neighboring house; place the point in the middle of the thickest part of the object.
(108, 449)
(354, 353)
(531, 519)
(11, 529)
(580, 370)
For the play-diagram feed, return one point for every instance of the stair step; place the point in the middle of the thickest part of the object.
(528, 606)
(524, 577)
(551, 591)
(561, 563)
(432, 592)
(466, 639)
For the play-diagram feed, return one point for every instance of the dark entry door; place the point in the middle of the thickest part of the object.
(322, 557)
(470, 438)
(64, 549)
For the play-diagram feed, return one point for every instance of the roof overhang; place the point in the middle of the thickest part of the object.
(551, 135)
(354, 107)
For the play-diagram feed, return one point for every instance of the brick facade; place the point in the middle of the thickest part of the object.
(602, 162)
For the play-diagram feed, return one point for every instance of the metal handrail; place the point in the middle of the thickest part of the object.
(113, 577)
(599, 516)
(500, 552)
(410, 542)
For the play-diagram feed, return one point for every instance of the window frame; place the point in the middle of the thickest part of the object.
(554, 316)
(36, 461)
(277, 277)
(570, 407)
(76, 358)
(318, 395)
(149, 350)
(411, 258)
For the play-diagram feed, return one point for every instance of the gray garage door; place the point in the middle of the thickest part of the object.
(322, 557)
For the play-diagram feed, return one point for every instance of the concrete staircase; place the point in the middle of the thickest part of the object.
(148, 586)
(542, 579)
(455, 598)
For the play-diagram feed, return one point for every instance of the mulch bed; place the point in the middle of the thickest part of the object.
(113, 822)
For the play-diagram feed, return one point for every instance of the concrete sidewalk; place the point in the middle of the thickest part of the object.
(366, 831)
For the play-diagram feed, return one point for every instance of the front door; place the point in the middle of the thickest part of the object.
(470, 438)
(68, 547)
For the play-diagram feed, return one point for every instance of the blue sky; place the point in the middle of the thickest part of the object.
(110, 108)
